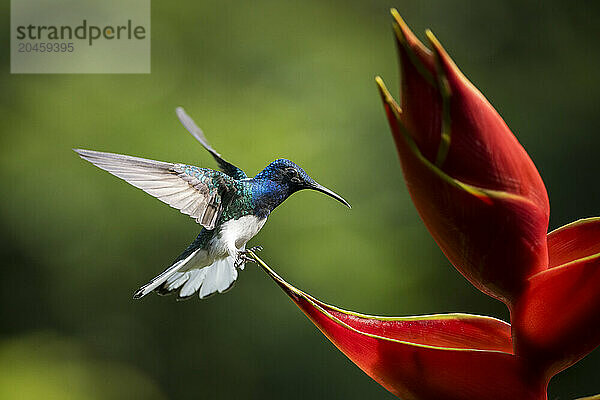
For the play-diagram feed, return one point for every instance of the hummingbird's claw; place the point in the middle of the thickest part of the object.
(244, 256)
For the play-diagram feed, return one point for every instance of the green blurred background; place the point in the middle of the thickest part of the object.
(265, 79)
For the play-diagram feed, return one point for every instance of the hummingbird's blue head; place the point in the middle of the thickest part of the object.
(283, 177)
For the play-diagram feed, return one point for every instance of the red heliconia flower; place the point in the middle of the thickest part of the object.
(486, 206)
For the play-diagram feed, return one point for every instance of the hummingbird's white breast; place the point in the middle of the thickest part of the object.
(233, 235)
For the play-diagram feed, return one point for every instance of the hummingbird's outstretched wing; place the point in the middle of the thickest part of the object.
(192, 128)
(200, 193)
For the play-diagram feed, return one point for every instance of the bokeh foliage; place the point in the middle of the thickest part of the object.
(265, 79)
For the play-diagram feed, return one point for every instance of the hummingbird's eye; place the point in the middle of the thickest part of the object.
(292, 175)
(290, 172)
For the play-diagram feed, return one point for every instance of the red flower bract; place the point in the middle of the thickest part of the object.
(486, 206)
(557, 318)
(447, 356)
(473, 184)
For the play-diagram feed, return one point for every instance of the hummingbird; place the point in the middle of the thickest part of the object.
(230, 206)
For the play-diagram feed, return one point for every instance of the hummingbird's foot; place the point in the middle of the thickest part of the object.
(244, 256)
(242, 259)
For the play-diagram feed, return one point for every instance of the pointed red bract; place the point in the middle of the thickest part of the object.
(556, 320)
(458, 331)
(480, 149)
(454, 356)
(491, 237)
(473, 184)
(421, 98)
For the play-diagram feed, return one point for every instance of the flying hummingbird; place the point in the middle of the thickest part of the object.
(230, 206)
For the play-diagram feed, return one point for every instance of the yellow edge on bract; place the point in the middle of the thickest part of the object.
(414, 59)
(581, 221)
(446, 94)
(485, 195)
(595, 397)
(317, 304)
(560, 267)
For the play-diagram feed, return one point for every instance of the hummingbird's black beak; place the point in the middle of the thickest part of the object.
(323, 189)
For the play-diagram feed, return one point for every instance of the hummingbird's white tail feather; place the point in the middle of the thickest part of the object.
(162, 277)
(220, 276)
(217, 277)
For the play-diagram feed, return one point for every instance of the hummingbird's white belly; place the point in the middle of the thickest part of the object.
(237, 232)
(230, 238)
